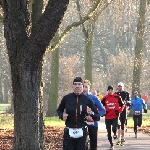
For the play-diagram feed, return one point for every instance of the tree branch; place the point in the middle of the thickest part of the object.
(76, 24)
(49, 23)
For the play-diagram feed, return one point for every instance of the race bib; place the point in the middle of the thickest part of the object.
(111, 105)
(75, 132)
(137, 112)
(90, 123)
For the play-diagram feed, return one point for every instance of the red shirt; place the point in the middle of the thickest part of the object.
(112, 104)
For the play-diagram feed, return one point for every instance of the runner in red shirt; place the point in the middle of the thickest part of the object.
(113, 105)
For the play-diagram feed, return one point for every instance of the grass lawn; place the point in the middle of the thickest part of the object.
(4, 107)
(53, 121)
(6, 122)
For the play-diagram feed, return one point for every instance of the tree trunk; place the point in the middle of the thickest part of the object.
(53, 98)
(88, 51)
(41, 119)
(139, 47)
(25, 57)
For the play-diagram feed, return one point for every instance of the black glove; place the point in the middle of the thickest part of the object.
(117, 112)
(128, 104)
(145, 110)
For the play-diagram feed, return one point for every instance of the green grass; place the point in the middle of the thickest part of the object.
(4, 107)
(53, 121)
(6, 122)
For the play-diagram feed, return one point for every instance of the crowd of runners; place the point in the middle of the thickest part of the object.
(81, 110)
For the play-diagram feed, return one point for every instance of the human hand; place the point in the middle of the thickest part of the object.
(89, 119)
(145, 110)
(117, 112)
(89, 111)
(65, 117)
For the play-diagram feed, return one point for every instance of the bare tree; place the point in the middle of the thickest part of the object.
(138, 60)
(26, 50)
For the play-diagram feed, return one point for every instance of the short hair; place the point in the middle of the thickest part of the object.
(87, 81)
(78, 79)
(135, 92)
(109, 88)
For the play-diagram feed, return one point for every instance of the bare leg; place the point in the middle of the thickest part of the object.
(119, 134)
(122, 134)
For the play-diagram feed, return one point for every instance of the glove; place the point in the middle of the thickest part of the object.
(145, 110)
(117, 112)
(128, 104)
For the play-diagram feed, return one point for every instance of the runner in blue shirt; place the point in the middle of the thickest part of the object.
(137, 104)
(93, 125)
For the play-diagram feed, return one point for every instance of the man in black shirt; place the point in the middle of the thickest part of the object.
(74, 109)
(123, 116)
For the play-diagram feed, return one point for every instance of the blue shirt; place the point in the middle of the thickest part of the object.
(137, 104)
(99, 106)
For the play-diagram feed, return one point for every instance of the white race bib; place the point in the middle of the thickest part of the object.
(137, 112)
(90, 123)
(75, 132)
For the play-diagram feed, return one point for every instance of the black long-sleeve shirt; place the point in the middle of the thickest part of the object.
(125, 97)
(76, 108)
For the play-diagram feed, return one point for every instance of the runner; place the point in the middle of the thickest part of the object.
(74, 109)
(93, 125)
(137, 104)
(113, 105)
(99, 95)
(123, 116)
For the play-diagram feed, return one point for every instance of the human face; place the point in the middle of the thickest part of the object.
(119, 88)
(78, 88)
(86, 88)
(110, 92)
(135, 94)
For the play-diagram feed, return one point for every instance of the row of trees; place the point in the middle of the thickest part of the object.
(108, 50)
(96, 40)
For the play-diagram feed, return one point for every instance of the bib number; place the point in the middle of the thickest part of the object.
(75, 133)
(90, 123)
(137, 112)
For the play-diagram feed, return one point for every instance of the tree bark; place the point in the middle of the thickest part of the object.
(139, 47)
(53, 97)
(88, 51)
(25, 57)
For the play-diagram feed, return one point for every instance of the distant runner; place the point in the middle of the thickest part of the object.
(123, 116)
(137, 104)
(113, 105)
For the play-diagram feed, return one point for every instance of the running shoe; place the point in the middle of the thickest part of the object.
(111, 147)
(122, 140)
(115, 136)
(121, 143)
(118, 143)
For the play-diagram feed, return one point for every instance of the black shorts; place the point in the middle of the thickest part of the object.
(123, 118)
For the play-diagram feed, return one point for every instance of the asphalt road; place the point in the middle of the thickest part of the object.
(131, 143)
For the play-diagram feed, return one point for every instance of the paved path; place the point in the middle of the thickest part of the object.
(132, 143)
